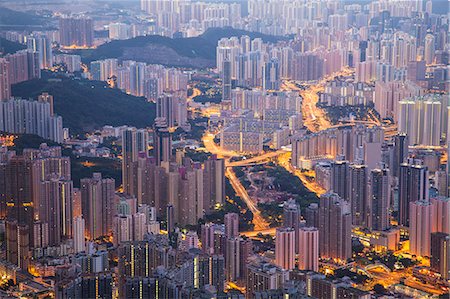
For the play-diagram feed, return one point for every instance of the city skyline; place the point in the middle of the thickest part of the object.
(224, 149)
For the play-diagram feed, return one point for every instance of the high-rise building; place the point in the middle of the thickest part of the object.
(71, 62)
(339, 178)
(41, 45)
(334, 227)
(76, 32)
(285, 248)
(102, 70)
(232, 259)
(413, 186)
(231, 221)
(162, 141)
(97, 202)
(440, 254)
(245, 251)
(226, 81)
(119, 31)
(134, 142)
(165, 108)
(98, 285)
(23, 66)
(5, 85)
(272, 75)
(78, 234)
(263, 276)
(18, 244)
(379, 199)
(214, 182)
(441, 214)
(400, 153)
(421, 118)
(207, 237)
(311, 215)
(357, 194)
(308, 242)
(31, 117)
(420, 224)
(291, 218)
(55, 208)
(430, 48)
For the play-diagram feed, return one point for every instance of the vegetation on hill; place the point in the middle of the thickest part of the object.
(88, 105)
(14, 19)
(287, 182)
(7, 46)
(182, 52)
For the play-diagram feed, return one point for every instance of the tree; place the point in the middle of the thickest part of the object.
(379, 289)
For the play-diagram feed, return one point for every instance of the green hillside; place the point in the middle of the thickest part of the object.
(13, 19)
(7, 46)
(182, 52)
(88, 105)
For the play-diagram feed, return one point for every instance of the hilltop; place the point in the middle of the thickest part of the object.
(194, 52)
(18, 20)
(7, 46)
(88, 105)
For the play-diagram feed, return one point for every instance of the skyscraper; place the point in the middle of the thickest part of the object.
(162, 141)
(339, 178)
(165, 108)
(400, 153)
(76, 32)
(334, 227)
(17, 244)
(55, 208)
(285, 248)
(441, 214)
(272, 75)
(413, 186)
(440, 254)
(357, 192)
(5, 85)
(232, 259)
(97, 197)
(78, 234)
(308, 241)
(311, 215)
(430, 48)
(379, 199)
(231, 225)
(263, 276)
(43, 47)
(420, 224)
(291, 218)
(226, 81)
(134, 142)
(214, 182)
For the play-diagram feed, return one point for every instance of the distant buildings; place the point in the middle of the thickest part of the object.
(334, 227)
(43, 47)
(31, 117)
(308, 242)
(285, 248)
(423, 119)
(22, 66)
(97, 202)
(71, 62)
(76, 32)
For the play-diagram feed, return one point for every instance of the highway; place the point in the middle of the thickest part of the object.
(258, 221)
(283, 160)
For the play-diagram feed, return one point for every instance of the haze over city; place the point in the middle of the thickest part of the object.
(224, 149)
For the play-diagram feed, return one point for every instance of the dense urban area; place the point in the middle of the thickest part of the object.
(224, 149)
